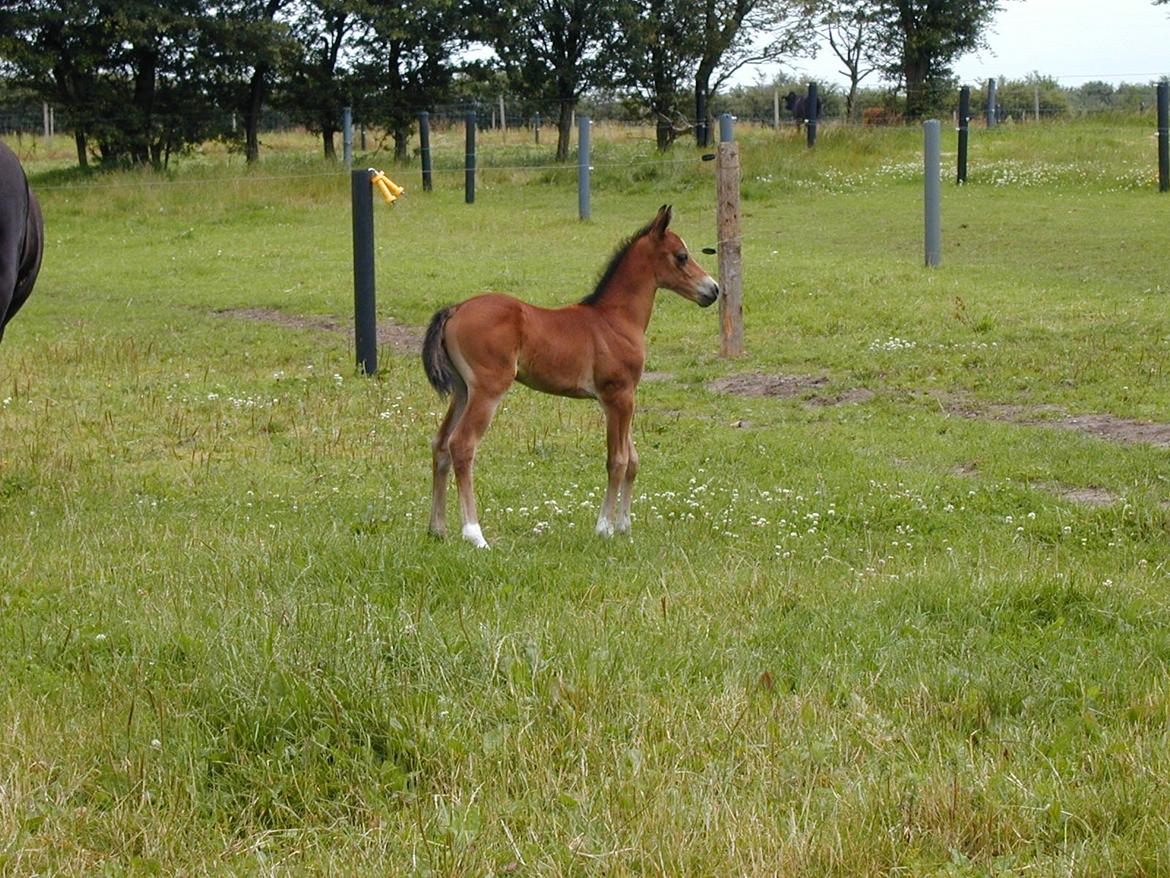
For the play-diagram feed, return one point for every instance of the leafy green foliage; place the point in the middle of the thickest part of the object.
(923, 37)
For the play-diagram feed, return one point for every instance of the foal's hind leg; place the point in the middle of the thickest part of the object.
(477, 415)
(441, 454)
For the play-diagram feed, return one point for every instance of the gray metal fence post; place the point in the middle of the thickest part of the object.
(932, 192)
(1164, 136)
(424, 148)
(726, 128)
(347, 135)
(583, 167)
(364, 313)
(991, 117)
(964, 131)
(469, 160)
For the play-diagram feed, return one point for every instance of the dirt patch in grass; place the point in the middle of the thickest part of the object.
(1118, 429)
(1090, 496)
(1086, 496)
(401, 339)
(811, 389)
(1108, 427)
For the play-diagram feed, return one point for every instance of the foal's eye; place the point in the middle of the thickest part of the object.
(682, 258)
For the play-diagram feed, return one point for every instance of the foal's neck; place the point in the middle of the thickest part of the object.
(629, 299)
(630, 305)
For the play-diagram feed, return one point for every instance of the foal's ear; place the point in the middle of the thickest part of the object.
(661, 221)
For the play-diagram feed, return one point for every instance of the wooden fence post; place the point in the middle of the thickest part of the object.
(730, 254)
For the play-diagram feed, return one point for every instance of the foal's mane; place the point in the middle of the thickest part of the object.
(614, 261)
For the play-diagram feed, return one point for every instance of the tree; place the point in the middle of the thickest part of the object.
(407, 60)
(55, 49)
(1018, 97)
(851, 31)
(665, 42)
(922, 38)
(150, 96)
(129, 74)
(317, 84)
(653, 58)
(248, 44)
(552, 50)
(735, 33)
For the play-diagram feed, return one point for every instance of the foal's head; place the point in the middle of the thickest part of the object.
(673, 267)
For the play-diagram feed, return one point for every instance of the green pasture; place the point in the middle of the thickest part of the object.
(911, 618)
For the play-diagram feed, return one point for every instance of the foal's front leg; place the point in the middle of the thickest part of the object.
(624, 525)
(619, 411)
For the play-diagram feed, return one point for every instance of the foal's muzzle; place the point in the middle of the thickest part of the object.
(708, 294)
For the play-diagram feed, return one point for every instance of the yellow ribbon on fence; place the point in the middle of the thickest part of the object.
(389, 189)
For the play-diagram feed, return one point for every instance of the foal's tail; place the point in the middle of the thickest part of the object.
(436, 361)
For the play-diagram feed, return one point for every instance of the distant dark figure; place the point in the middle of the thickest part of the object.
(795, 104)
(22, 237)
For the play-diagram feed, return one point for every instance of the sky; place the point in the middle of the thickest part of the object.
(1072, 40)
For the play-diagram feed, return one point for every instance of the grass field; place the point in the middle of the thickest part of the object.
(910, 616)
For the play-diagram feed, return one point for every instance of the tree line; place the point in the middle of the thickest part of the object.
(1016, 99)
(140, 80)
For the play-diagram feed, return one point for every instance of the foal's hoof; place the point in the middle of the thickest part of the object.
(604, 527)
(474, 535)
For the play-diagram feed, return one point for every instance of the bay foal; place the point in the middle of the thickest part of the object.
(595, 348)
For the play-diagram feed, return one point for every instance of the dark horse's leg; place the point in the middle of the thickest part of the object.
(21, 237)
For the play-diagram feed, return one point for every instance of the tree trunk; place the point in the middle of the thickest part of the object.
(664, 134)
(145, 85)
(915, 73)
(565, 129)
(401, 140)
(82, 149)
(252, 116)
(327, 140)
(702, 99)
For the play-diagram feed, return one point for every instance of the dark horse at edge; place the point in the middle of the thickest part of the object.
(22, 237)
(797, 105)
